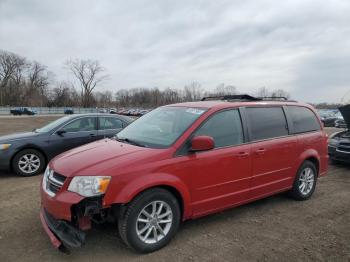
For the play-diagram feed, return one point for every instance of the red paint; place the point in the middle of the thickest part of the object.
(54, 240)
(202, 143)
(207, 181)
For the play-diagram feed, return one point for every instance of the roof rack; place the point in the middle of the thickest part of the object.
(246, 98)
(231, 98)
(273, 98)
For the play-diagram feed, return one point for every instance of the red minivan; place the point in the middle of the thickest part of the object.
(180, 162)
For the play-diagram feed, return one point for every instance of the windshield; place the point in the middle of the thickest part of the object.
(53, 125)
(161, 127)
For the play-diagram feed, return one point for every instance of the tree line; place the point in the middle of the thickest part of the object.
(29, 83)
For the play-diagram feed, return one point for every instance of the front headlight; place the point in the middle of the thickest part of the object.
(89, 185)
(4, 146)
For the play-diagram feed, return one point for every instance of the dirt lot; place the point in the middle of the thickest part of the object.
(273, 229)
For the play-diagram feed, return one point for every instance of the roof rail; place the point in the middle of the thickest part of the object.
(232, 97)
(273, 98)
(246, 98)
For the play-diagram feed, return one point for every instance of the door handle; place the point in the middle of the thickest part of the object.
(242, 154)
(92, 135)
(260, 151)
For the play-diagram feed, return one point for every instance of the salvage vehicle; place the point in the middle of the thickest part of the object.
(328, 118)
(339, 143)
(22, 111)
(180, 162)
(27, 154)
(340, 122)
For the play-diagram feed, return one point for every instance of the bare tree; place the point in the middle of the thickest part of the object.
(11, 68)
(104, 99)
(38, 81)
(263, 92)
(193, 91)
(63, 94)
(89, 73)
(222, 90)
(280, 93)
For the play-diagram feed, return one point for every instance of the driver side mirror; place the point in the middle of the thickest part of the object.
(202, 143)
(61, 132)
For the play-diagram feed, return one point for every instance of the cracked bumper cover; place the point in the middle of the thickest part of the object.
(61, 232)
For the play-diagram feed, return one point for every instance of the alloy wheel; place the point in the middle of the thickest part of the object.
(306, 181)
(154, 222)
(29, 163)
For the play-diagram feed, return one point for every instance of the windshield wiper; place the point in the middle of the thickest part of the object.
(129, 141)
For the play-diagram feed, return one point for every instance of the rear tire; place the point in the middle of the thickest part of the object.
(28, 162)
(150, 221)
(305, 181)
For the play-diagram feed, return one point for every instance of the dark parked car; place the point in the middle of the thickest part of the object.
(27, 154)
(339, 143)
(328, 118)
(340, 122)
(22, 111)
(69, 111)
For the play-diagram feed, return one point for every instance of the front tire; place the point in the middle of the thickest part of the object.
(28, 162)
(305, 181)
(150, 221)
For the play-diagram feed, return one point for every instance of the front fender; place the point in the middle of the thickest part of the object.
(123, 193)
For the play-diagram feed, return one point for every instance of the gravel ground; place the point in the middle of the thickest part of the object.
(273, 229)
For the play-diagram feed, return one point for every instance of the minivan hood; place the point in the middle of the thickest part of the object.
(101, 158)
(18, 136)
(345, 111)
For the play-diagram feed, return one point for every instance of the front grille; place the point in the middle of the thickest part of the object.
(53, 182)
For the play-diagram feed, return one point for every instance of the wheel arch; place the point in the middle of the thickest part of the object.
(312, 156)
(315, 161)
(133, 189)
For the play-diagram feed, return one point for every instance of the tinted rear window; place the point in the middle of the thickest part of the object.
(303, 119)
(266, 122)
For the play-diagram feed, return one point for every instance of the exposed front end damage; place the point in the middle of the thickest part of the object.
(339, 146)
(339, 143)
(67, 234)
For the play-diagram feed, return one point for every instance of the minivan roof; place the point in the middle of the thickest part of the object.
(218, 104)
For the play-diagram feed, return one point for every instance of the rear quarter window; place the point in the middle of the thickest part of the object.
(303, 119)
(266, 122)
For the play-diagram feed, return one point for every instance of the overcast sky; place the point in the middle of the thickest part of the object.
(300, 46)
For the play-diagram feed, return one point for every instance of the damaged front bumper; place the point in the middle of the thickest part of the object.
(62, 234)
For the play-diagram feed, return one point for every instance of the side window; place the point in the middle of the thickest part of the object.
(266, 122)
(224, 127)
(81, 124)
(303, 119)
(109, 123)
